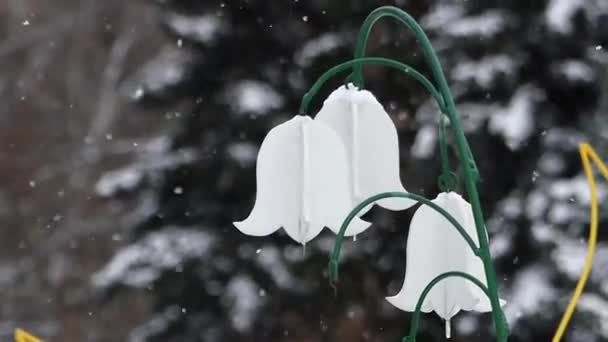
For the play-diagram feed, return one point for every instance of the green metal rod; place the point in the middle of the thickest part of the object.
(427, 290)
(406, 69)
(470, 171)
(433, 61)
(447, 179)
(335, 256)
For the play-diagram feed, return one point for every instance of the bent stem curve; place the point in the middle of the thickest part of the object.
(470, 171)
(429, 287)
(335, 256)
(404, 68)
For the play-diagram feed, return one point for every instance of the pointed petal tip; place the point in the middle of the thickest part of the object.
(397, 302)
(247, 228)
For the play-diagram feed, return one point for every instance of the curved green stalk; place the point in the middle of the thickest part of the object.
(406, 69)
(335, 256)
(428, 288)
(404, 18)
(470, 171)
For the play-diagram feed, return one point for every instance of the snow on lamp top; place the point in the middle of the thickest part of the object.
(302, 182)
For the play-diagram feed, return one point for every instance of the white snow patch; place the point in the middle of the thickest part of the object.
(574, 70)
(511, 207)
(577, 189)
(569, 257)
(536, 204)
(559, 14)
(155, 326)
(543, 232)
(485, 25)
(141, 263)
(204, 29)
(271, 260)
(484, 71)
(563, 213)
(551, 164)
(501, 243)
(243, 152)
(425, 142)
(115, 181)
(530, 292)
(153, 156)
(244, 302)
(515, 121)
(598, 307)
(474, 115)
(166, 70)
(314, 48)
(249, 96)
(441, 14)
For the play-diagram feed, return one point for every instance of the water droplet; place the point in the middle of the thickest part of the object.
(32, 184)
(598, 48)
(25, 23)
(305, 18)
(258, 251)
(57, 218)
(184, 310)
(180, 42)
(109, 136)
(178, 190)
(262, 293)
(139, 92)
(535, 176)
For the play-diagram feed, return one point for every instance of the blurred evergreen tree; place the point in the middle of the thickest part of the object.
(525, 79)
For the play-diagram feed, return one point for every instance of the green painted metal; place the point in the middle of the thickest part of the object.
(333, 261)
(406, 69)
(428, 288)
(462, 148)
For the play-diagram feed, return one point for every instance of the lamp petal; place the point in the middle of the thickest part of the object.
(434, 247)
(371, 143)
(301, 182)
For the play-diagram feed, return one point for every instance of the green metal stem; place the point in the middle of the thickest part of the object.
(335, 256)
(359, 62)
(433, 61)
(427, 290)
(447, 180)
(470, 171)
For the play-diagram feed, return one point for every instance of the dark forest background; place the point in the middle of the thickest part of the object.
(129, 132)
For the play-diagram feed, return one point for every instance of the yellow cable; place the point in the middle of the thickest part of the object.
(587, 153)
(24, 336)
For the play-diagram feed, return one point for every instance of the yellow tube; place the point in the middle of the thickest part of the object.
(24, 336)
(587, 155)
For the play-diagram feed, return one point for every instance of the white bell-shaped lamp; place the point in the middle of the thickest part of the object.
(371, 142)
(434, 247)
(302, 183)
